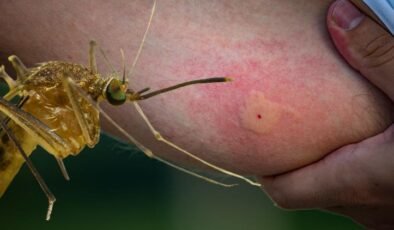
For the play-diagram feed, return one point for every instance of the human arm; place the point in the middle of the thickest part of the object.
(355, 180)
(282, 62)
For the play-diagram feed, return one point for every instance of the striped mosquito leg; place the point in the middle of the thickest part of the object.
(34, 171)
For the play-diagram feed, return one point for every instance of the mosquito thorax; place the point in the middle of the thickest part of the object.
(115, 91)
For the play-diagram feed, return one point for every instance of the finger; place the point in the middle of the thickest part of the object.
(314, 186)
(379, 217)
(365, 44)
(358, 174)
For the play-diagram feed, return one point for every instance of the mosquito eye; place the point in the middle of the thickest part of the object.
(114, 93)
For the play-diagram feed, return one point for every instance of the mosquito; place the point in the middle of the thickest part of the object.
(59, 110)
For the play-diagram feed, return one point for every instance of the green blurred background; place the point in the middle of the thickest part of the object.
(114, 186)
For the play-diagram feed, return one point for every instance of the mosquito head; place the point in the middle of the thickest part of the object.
(115, 91)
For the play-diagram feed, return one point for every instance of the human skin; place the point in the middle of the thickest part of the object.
(292, 99)
(355, 180)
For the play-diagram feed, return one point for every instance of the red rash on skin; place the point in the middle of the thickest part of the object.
(306, 100)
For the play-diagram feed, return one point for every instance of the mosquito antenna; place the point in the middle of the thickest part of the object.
(130, 72)
(34, 171)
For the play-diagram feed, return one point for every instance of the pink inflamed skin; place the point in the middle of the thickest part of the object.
(292, 99)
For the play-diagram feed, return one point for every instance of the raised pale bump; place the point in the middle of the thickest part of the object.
(261, 115)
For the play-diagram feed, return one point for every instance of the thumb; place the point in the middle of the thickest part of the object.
(355, 176)
(364, 44)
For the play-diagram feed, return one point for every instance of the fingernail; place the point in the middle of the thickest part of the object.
(346, 15)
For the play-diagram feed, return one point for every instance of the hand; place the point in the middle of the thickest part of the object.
(356, 180)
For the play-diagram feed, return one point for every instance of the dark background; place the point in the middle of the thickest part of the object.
(114, 186)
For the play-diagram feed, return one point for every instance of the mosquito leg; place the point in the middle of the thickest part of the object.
(150, 154)
(10, 82)
(38, 130)
(13, 93)
(92, 57)
(159, 137)
(62, 168)
(21, 102)
(78, 112)
(36, 174)
(20, 68)
(14, 87)
(144, 149)
(132, 67)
